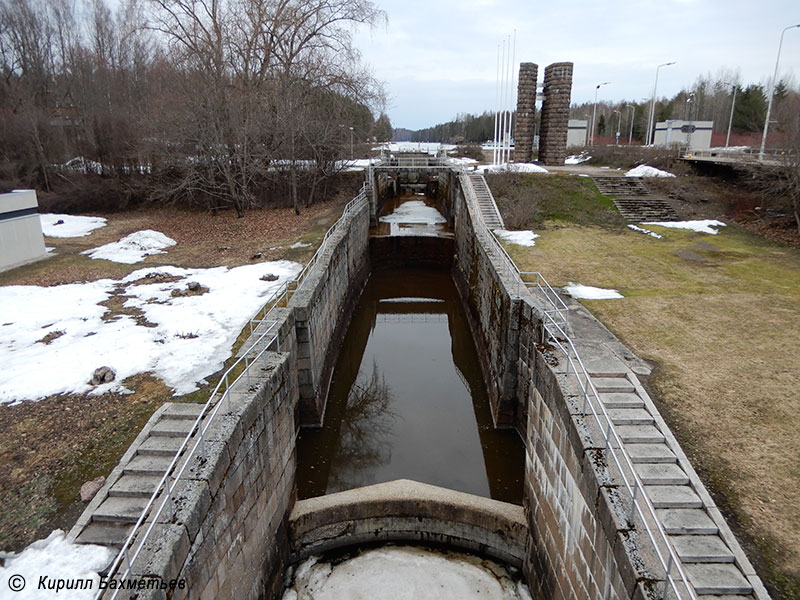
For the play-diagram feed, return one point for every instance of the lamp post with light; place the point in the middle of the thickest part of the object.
(619, 126)
(772, 93)
(650, 123)
(594, 110)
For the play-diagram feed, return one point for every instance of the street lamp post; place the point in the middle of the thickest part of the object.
(589, 128)
(650, 123)
(630, 133)
(594, 110)
(619, 126)
(772, 93)
(730, 120)
(351, 143)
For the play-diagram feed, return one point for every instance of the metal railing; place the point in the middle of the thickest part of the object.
(162, 498)
(555, 330)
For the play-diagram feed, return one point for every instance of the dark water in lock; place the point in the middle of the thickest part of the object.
(407, 399)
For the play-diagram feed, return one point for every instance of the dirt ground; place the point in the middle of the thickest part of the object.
(50, 447)
(719, 318)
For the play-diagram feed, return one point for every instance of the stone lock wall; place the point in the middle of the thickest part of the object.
(555, 113)
(524, 126)
(322, 309)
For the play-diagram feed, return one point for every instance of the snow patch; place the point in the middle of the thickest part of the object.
(512, 168)
(401, 573)
(299, 245)
(192, 337)
(55, 558)
(587, 292)
(70, 226)
(706, 226)
(647, 171)
(646, 231)
(520, 238)
(414, 211)
(133, 248)
(577, 159)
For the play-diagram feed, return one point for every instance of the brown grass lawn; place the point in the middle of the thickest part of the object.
(719, 316)
(50, 447)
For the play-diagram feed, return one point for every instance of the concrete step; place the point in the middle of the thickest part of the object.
(119, 510)
(104, 534)
(621, 400)
(630, 416)
(651, 453)
(717, 579)
(687, 521)
(188, 410)
(701, 549)
(639, 434)
(160, 446)
(135, 486)
(661, 474)
(612, 384)
(673, 496)
(147, 465)
(168, 427)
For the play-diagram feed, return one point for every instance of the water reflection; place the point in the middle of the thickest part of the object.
(407, 399)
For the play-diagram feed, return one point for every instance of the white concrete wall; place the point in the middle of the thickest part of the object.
(576, 132)
(669, 133)
(21, 239)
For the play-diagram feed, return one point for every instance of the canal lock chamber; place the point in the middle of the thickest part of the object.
(407, 409)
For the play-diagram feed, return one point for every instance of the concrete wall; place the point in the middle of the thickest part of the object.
(322, 309)
(669, 132)
(576, 132)
(21, 239)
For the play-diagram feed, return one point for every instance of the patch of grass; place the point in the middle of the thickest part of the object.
(720, 316)
(531, 201)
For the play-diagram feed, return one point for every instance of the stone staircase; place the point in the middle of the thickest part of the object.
(110, 516)
(633, 200)
(697, 530)
(488, 207)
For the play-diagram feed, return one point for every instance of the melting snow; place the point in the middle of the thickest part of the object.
(191, 340)
(71, 227)
(299, 245)
(647, 171)
(576, 159)
(402, 573)
(521, 238)
(414, 211)
(698, 226)
(647, 231)
(512, 168)
(55, 558)
(587, 292)
(133, 248)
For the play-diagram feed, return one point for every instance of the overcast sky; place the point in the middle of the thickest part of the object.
(439, 57)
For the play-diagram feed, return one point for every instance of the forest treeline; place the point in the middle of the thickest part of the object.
(710, 98)
(219, 103)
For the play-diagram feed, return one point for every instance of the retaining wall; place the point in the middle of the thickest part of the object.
(322, 308)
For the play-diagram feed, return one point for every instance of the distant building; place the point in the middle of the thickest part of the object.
(21, 239)
(576, 132)
(692, 135)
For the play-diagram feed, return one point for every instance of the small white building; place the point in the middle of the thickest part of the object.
(21, 239)
(692, 135)
(576, 132)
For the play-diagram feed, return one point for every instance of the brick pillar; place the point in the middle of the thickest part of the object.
(555, 113)
(526, 112)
